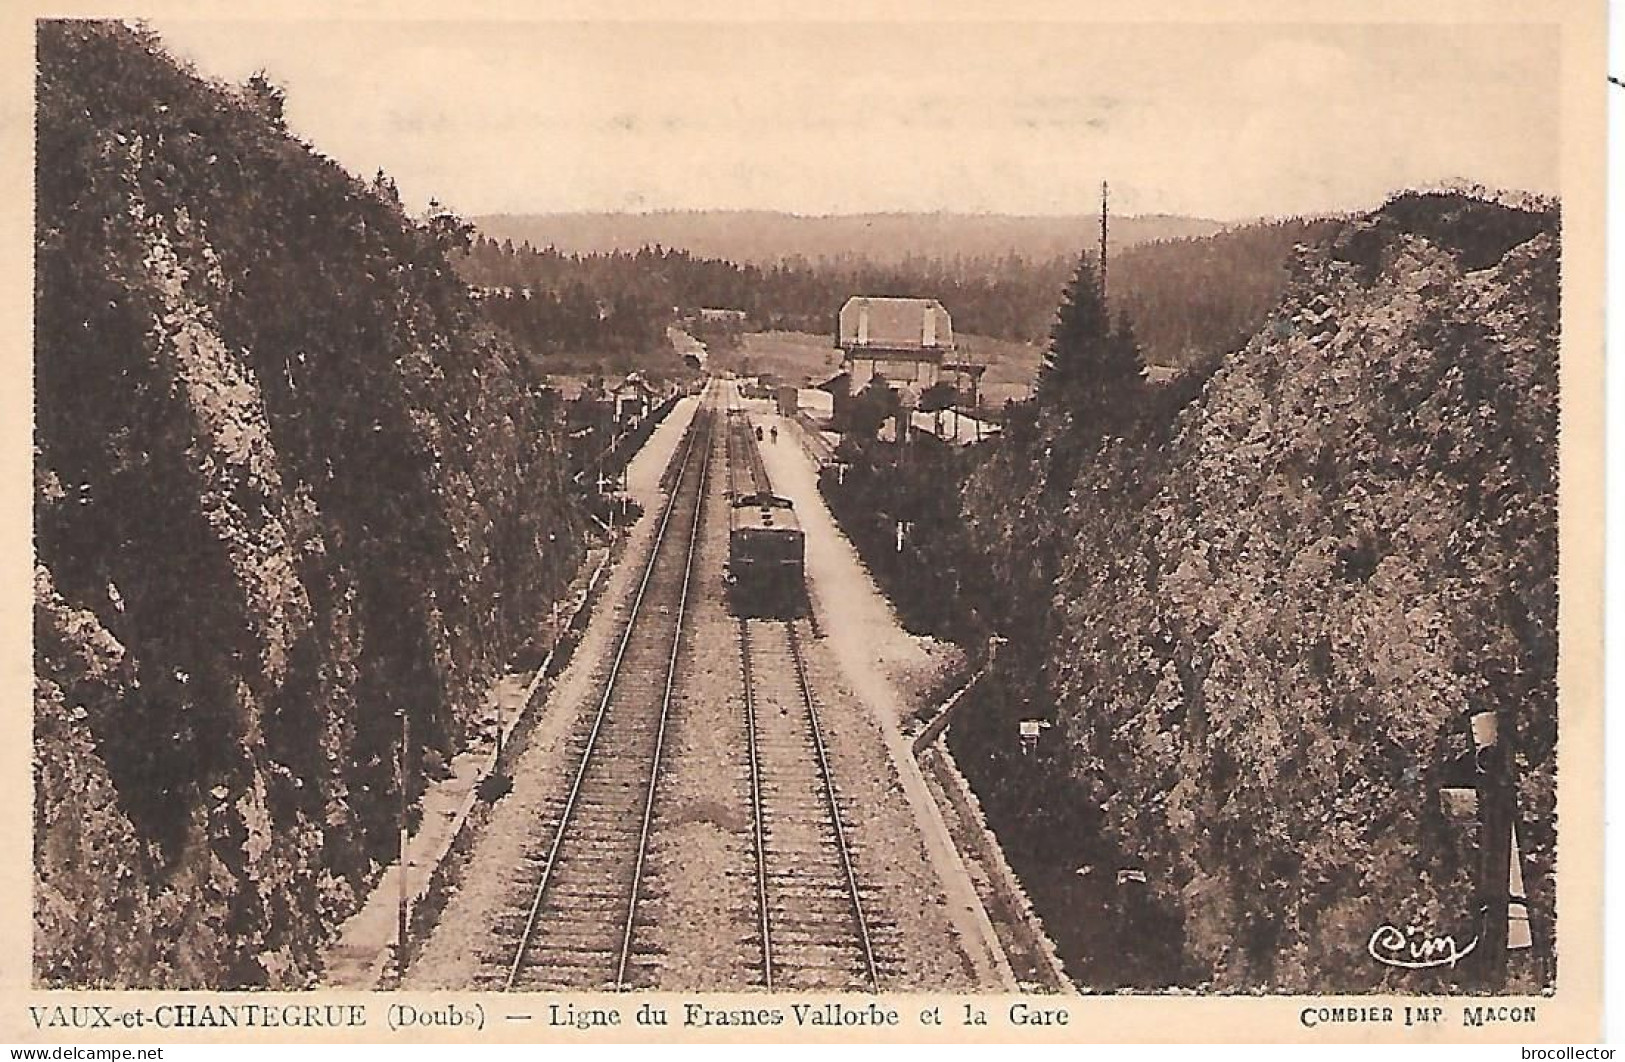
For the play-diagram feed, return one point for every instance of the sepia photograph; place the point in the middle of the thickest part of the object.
(776, 515)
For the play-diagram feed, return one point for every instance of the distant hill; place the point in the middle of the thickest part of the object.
(765, 236)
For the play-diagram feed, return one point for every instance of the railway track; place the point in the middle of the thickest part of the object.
(814, 926)
(815, 922)
(579, 930)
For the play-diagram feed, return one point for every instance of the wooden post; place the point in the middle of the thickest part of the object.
(502, 717)
(402, 929)
(1495, 854)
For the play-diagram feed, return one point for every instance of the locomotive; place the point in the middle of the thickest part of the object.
(765, 555)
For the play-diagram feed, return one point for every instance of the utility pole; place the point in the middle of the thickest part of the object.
(1103, 192)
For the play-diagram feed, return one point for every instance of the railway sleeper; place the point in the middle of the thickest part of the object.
(819, 974)
(814, 936)
(576, 900)
(810, 907)
(792, 868)
(563, 960)
(817, 925)
(809, 878)
(582, 944)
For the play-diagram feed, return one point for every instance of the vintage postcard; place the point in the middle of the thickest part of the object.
(1001, 522)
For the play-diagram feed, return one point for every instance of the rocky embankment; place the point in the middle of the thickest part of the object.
(1272, 619)
(286, 487)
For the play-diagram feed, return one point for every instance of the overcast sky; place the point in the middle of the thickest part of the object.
(1222, 122)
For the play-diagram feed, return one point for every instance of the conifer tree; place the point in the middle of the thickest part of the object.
(1076, 338)
(1092, 371)
(1125, 361)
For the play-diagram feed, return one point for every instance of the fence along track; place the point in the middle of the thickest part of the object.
(587, 928)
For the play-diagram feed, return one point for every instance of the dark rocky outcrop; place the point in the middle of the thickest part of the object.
(286, 486)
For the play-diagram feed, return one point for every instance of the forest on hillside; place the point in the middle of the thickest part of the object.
(287, 485)
(1197, 298)
(1191, 298)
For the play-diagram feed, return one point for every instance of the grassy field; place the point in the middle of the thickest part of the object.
(1011, 367)
(795, 357)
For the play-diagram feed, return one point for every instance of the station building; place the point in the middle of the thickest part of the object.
(907, 343)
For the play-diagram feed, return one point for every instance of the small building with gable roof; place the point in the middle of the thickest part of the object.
(903, 340)
(907, 343)
(633, 397)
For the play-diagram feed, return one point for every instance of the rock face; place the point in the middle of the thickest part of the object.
(1269, 628)
(286, 487)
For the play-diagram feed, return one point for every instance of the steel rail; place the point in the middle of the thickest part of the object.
(665, 706)
(834, 807)
(603, 706)
(756, 804)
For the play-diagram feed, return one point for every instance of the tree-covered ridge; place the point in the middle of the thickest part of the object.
(286, 486)
(1002, 297)
(1258, 628)
(1192, 299)
(1189, 298)
(765, 237)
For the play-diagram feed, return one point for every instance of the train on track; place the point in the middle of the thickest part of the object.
(766, 553)
(765, 541)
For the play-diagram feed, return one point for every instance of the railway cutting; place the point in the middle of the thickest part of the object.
(714, 810)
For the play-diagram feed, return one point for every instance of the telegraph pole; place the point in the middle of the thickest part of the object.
(1103, 192)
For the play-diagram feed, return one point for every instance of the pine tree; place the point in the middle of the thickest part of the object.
(267, 97)
(1076, 338)
(1092, 371)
